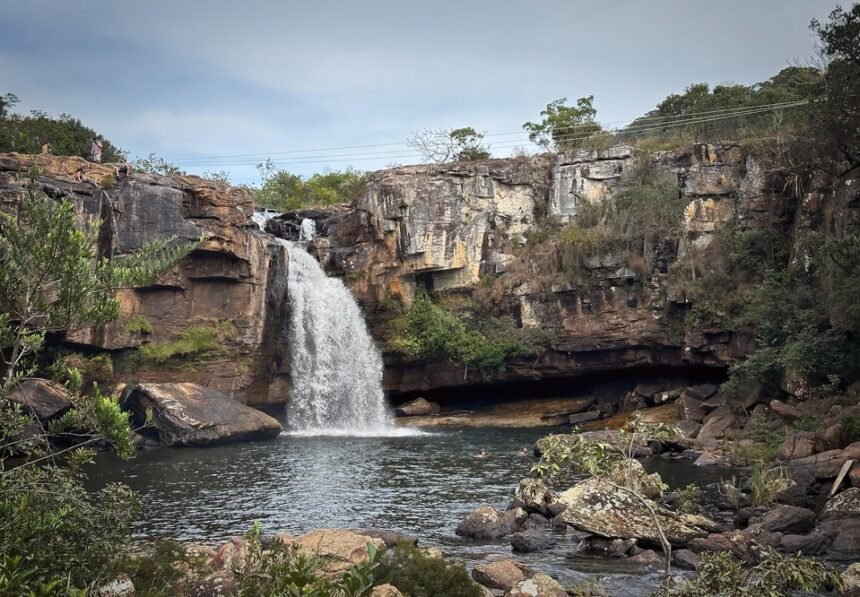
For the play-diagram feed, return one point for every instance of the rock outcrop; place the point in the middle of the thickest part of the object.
(185, 414)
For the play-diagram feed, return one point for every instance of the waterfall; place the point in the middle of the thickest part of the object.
(336, 368)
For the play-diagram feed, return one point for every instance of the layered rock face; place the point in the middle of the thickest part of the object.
(234, 281)
(445, 227)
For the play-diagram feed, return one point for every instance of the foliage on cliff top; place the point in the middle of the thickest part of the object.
(65, 133)
(454, 145)
(284, 191)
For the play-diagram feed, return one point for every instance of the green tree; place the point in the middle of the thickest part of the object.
(454, 145)
(153, 164)
(564, 127)
(286, 191)
(56, 536)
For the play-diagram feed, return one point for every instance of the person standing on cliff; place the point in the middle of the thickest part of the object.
(96, 149)
(46, 149)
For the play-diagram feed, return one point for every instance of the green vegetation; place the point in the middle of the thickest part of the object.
(66, 134)
(430, 331)
(193, 341)
(689, 498)
(285, 570)
(564, 127)
(418, 574)
(153, 164)
(164, 567)
(57, 536)
(766, 481)
(455, 145)
(139, 325)
(775, 575)
(284, 191)
(851, 427)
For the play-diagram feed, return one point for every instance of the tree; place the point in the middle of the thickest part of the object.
(57, 536)
(153, 164)
(7, 100)
(564, 127)
(286, 191)
(455, 145)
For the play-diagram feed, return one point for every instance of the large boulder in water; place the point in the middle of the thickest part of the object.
(604, 509)
(185, 414)
(417, 408)
(488, 523)
(44, 399)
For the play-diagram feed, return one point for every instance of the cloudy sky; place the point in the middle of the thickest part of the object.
(220, 85)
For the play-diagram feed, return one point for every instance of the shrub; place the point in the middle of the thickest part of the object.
(138, 324)
(417, 574)
(194, 340)
(851, 425)
(688, 499)
(165, 567)
(766, 482)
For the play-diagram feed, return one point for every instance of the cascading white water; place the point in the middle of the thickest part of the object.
(336, 368)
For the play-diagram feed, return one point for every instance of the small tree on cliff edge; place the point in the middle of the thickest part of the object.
(55, 534)
(456, 145)
(564, 127)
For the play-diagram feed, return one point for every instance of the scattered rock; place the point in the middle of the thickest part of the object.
(385, 590)
(647, 559)
(702, 391)
(830, 438)
(811, 544)
(337, 549)
(599, 508)
(690, 409)
(612, 548)
(417, 408)
(689, 427)
(733, 542)
(217, 584)
(826, 465)
(686, 559)
(843, 505)
(186, 414)
(488, 523)
(799, 444)
(709, 459)
(44, 399)
(715, 427)
(230, 554)
(851, 580)
(757, 534)
(121, 586)
(390, 538)
(786, 412)
(501, 575)
(539, 585)
(531, 540)
(788, 519)
(533, 495)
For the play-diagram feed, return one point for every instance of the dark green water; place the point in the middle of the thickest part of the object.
(421, 485)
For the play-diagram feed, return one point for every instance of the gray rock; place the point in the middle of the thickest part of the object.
(185, 414)
(799, 444)
(811, 544)
(530, 540)
(685, 559)
(786, 412)
(689, 427)
(591, 415)
(788, 519)
(690, 408)
(44, 399)
(501, 575)
(843, 505)
(702, 391)
(488, 523)
(416, 408)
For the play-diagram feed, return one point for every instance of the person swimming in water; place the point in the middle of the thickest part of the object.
(524, 453)
(482, 453)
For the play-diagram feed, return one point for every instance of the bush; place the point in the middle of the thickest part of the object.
(285, 191)
(194, 340)
(417, 574)
(164, 568)
(766, 481)
(139, 325)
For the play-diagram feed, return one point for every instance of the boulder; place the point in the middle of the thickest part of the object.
(715, 426)
(846, 537)
(121, 586)
(843, 505)
(611, 548)
(597, 507)
(646, 559)
(831, 437)
(390, 538)
(631, 474)
(417, 408)
(217, 584)
(788, 519)
(44, 399)
(800, 444)
(539, 585)
(385, 590)
(809, 545)
(685, 559)
(689, 408)
(826, 465)
(689, 427)
(786, 412)
(702, 391)
(230, 555)
(590, 415)
(531, 540)
(533, 496)
(337, 549)
(186, 414)
(488, 523)
(734, 542)
(851, 580)
(501, 575)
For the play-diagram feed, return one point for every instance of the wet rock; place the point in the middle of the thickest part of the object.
(689, 428)
(786, 412)
(533, 495)
(488, 523)
(599, 508)
(531, 540)
(417, 408)
(385, 590)
(788, 519)
(337, 549)
(715, 426)
(121, 586)
(612, 548)
(647, 559)
(186, 414)
(539, 585)
(631, 474)
(685, 559)
(811, 544)
(390, 538)
(710, 459)
(501, 575)
(591, 415)
(44, 399)
(217, 584)
(734, 542)
(690, 408)
(799, 444)
(843, 505)
(757, 534)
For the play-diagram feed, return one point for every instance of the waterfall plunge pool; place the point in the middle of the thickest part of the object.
(421, 485)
